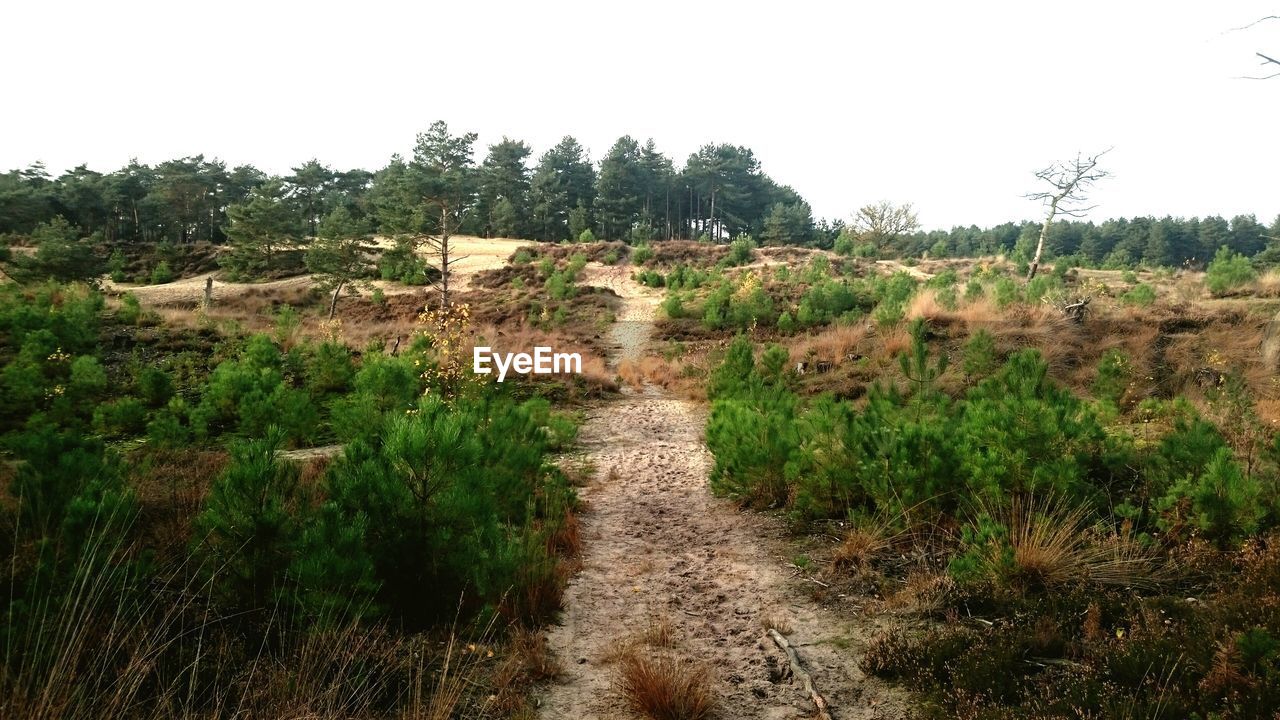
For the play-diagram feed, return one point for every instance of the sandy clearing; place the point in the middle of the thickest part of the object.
(475, 254)
(659, 546)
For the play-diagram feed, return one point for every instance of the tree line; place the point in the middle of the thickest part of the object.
(1121, 242)
(635, 192)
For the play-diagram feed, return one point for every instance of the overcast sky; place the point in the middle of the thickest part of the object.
(950, 106)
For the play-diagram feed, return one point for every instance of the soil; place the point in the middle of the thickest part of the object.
(658, 547)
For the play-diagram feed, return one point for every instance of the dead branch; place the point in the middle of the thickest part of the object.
(797, 670)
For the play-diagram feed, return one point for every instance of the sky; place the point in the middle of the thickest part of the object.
(949, 106)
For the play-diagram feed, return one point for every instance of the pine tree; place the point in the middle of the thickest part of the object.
(258, 229)
(341, 255)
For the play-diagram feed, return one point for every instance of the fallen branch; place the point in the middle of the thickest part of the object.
(797, 670)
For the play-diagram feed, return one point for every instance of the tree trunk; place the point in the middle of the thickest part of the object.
(1044, 233)
(716, 235)
(444, 257)
(333, 303)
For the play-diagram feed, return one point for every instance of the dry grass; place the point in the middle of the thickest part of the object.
(861, 546)
(925, 591)
(647, 370)
(924, 305)
(1053, 545)
(833, 344)
(1268, 285)
(660, 633)
(664, 687)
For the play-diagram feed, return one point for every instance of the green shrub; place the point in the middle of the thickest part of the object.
(1007, 292)
(973, 291)
(454, 495)
(1114, 375)
(121, 417)
(1141, 294)
(115, 265)
(130, 309)
(1129, 277)
(1056, 443)
(155, 386)
(521, 257)
(161, 273)
(1221, 501)
(673, 306)
(329, 368)
(741, 251)
(170, 427)
(586, 236)
(786, 323)
(844, 243)
(1227, 271)
(980, 355)
(67, 486)
(251, 524)
(641, 254)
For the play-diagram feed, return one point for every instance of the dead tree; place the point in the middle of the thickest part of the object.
(1267, 60)
(1068, 182)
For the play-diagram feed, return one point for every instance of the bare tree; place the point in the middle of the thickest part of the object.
(1068, 182)
(1267, 60)
(883, 222)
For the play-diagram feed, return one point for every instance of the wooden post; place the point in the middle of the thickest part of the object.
(208, 292)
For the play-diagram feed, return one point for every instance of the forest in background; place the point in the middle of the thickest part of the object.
(634, 193)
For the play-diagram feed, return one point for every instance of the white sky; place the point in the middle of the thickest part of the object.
(948, 105)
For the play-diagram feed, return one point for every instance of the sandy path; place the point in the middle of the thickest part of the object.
(659, 547)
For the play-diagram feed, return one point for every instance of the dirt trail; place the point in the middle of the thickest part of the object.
(658, 547)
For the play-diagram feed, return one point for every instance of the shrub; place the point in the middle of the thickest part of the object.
(980, 355)
(115, 265)
(1222, 501)
(67, 486)
(586, 236)
(250, 525)
(973, 291)
(463, 485)
(161, 273)
(1141, 294)
(1056, 443)
(786, 323)
(120, 417)
(155, 386)
(1114, 375)
(329, 368)
(1006, 292)
(248, 394)
(741, 251)
(641, 254)
(611, 257)
(130, 309)
(844, 243)
(1227, 271)
(673, 306)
